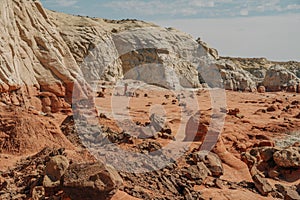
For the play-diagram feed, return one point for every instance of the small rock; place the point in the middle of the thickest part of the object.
(211, 160)
(183, 104)
(150, 146)
(262, 185)
(38, 193)
(248, 159)
(3, 184)
(103, 116)
(266, 153)
(291, 194)
(261, 89)
(265, 143)
(260, 111)
(196, 172)
(291, 88)
(159, 124)
(234, 111)
(168, 184)
(100, 94)
(273, 173)
(272, 108)
(219, 184)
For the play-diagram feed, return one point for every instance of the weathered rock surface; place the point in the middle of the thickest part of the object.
(43, 175)
(262, 185)
(159, 124)
(274, 76)
(289, 157)
(211, 160)
(44, 52)
(197, 127)
(278, 78)
(234, 78)
(54, 170)
(91, 181)
(80, 49)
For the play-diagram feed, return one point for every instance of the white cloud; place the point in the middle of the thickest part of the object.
(201, 4)
(203, 8)
(293, 7)
(61, 3)
(154, 7)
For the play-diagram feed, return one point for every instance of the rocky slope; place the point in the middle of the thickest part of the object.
(253, 159)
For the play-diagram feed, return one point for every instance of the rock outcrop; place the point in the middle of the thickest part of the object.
(274, 76)
(288, 157)
(279, 78)
(46, 52)
(234, 78)
(275, 163)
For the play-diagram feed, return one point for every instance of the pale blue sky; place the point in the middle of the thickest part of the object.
(246, 28)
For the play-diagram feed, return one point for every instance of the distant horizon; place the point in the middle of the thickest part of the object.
(247, 29)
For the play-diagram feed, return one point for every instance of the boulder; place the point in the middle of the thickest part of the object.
(291, 194)
(211, 160)
(266, 153)
(159, 124)
(91, 181)
(288, 193)
(262, 185)
(213, 52)
(54, 170)
(197, 172)
(235, 78)
(289, 157)
(278, 78)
